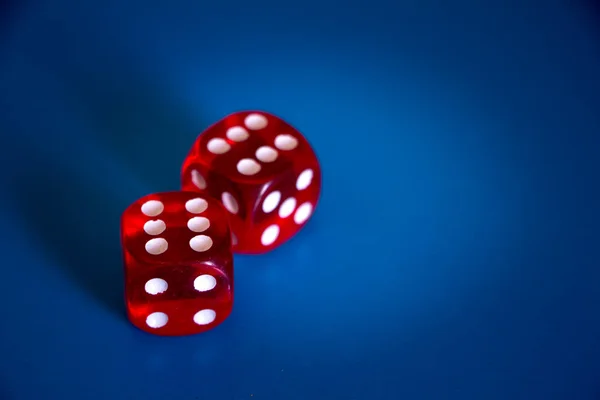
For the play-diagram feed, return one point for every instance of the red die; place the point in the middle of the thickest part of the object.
(178, 263)
(264, 172)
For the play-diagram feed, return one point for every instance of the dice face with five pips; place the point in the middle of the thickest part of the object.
(178, 263)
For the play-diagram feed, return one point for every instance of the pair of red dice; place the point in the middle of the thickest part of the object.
(250, 182)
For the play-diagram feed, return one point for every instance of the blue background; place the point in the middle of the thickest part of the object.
(454, 254)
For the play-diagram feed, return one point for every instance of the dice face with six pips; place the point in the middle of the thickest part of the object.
(178, 263)
(264, 172)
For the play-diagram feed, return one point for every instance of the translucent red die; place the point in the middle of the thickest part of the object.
(264, 172)
(178, 263)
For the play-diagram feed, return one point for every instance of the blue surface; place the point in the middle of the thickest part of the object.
(454, 255)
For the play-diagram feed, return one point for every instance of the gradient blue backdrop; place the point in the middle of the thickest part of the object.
(454, 255)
